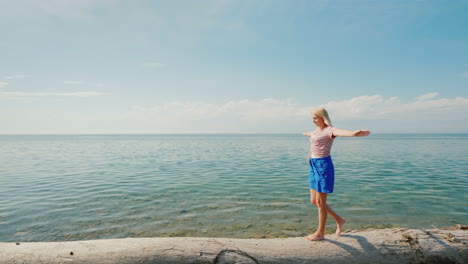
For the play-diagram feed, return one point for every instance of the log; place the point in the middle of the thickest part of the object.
(396, 245)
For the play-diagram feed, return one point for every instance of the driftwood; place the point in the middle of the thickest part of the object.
(397, 245)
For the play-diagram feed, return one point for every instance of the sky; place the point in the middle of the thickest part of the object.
(232, 66)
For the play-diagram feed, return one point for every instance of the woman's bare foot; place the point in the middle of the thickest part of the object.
(339, 226)
(315, 237)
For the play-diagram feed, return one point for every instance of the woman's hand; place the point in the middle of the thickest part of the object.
(361, 133)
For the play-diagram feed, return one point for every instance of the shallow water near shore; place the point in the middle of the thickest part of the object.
(75, 187)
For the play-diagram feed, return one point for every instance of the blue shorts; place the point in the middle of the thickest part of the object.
(322, 174)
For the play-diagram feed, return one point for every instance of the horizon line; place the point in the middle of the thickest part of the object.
(172, 134)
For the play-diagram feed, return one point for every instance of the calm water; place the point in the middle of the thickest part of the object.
(91, 187)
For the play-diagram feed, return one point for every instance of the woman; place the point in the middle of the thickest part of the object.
(322, 172)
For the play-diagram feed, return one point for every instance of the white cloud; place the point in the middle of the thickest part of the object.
(242, 116)
(30, 94)
(379, 114)
(71, 82)
(356, 107)
(266, 109)
(376, 107)
(272, 115)
(3, 84)
(465, 74)
(15, 77)
(427, 96)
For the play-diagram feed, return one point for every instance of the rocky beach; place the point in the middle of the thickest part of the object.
(395, 245)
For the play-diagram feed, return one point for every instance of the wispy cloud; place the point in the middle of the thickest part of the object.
(433, 114)
(71, 82)
(3, 84)
(153, 65)
(377, 107)
(361, 107)
(425, 97)
(266, 109)
(465, 74)
(243, 116)
(272, 115)
(30, 94)
(15, 77)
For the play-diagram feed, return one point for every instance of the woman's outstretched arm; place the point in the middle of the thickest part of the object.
(307, 134)
(347, 133)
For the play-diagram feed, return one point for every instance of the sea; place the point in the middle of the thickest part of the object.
(82, 187)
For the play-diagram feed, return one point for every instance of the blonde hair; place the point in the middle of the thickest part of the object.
(321, 112)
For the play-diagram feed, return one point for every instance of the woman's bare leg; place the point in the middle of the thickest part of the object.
(340, 221)
(320, 200)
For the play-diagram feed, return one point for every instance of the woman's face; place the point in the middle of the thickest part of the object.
(318, 121)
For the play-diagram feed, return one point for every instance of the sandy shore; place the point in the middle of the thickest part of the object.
(396, 245)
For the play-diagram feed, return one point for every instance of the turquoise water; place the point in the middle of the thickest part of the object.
(78, 187)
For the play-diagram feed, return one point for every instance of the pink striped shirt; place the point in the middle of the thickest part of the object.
(321, 142)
